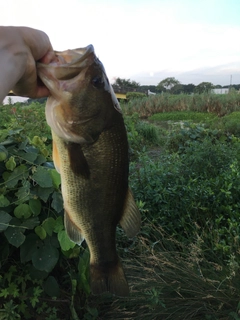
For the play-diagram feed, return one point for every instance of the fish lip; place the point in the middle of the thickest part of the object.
(80, 59)
(79, 54)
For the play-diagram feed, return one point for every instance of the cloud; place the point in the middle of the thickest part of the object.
(220, 74)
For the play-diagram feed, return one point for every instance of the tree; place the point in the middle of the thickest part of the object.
(203, 87)
(119, 82)
(168, 83)
(188, 88)
(10, 101)
(177, 89)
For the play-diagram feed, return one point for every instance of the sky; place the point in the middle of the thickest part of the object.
(142, 40)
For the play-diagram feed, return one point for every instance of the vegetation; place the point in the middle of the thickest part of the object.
(168, 83)
(135, 95)
(185, 175)
(219, 105)
(119, 82)
(171, 85)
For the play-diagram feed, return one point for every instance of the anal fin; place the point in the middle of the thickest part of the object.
(131, 219)
(73, 231)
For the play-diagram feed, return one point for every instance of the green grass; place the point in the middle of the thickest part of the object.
(219, 105)
(183, 116)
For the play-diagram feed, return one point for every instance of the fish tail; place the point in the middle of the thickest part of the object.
(109, 278)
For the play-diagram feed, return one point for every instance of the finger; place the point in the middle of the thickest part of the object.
(48, 57)
(37, 41)
(42, 92)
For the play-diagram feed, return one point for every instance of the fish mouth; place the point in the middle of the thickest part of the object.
(66, 64)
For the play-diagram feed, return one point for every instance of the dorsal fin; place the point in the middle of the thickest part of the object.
(131, 219)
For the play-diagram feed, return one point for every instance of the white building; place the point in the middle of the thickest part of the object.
(220, 90)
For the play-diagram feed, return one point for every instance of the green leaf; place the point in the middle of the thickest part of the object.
(4, 293)
(23, 192)
(3, 153)
(4, 220)
(64, 241)
(51, 287)
(49, 225)
(13, 290)
(72, 253)
(84, 271)
(43, 193)
(58, 225)
(45, 258)
(30, 223)
(36, 293)
(56, 178)
(57, 202)
(41, 232)
(22, 211)
(42, 177)
(52, 241)
(40, 159)
(30, 245)
(4, 202)
(35, 206)
(15, 236)
(11, 164)
(28, 156)
(19, 173)
(37, 274)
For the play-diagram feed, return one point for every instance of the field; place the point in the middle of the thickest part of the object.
(185, 176)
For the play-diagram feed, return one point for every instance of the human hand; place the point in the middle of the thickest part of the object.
(20, 49)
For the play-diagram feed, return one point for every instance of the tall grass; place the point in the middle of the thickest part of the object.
(217, 104)
(171, 281)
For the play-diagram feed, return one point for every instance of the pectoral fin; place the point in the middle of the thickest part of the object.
(56, 158)
(78, 162)
(73, 231)
(131, 220)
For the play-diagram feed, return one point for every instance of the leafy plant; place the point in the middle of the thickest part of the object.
(135, 95)
(186, 180)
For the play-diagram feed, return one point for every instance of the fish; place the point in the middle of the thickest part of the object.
(90, 151)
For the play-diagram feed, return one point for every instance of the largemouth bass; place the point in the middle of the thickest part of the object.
(90, 151)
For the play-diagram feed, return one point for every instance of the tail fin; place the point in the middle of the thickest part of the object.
(109, 278)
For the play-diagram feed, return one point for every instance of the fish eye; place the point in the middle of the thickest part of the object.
(97, 82)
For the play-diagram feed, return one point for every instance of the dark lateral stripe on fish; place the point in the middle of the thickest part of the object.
(78, 162)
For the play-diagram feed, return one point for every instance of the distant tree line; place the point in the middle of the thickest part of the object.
(171, 85)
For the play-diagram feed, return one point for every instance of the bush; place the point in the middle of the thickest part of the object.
(135, 95)
(39, 264)
(188, 195)
(219, 105)
(195, 189)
